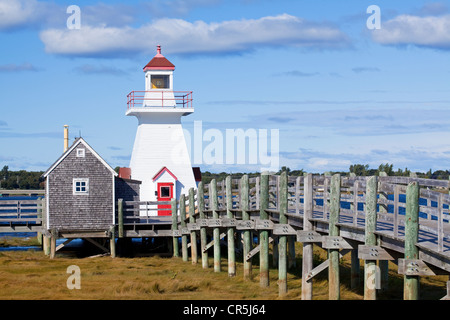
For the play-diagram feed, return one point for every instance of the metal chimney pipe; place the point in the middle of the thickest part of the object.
(66, 137)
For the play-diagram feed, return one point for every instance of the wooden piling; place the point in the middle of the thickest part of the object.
(307, 256)
(184, 248)
(46, 244)
(370, 267)
(411, 283)
(383, 264)
(282, 240)
(194, 254)
(230, 231)
(216, 231)
(264, 234)
(246, 233)
(333, 254)
(54, 236)
(355, 265)
(112, 241)
(120, 217)
(201, 214)
(173, 205)
(45, 239)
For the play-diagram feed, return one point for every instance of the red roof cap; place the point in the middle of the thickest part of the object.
(159, 62)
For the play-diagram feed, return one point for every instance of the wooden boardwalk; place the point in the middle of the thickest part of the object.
(375, 219)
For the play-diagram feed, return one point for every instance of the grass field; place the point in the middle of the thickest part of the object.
(32, 275)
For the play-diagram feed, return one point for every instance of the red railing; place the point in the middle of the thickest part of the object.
(183, 99)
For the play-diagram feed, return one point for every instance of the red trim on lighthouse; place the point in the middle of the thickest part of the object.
(159, 62)
(160, 172)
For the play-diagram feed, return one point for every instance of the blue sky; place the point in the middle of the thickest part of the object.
(338, 92)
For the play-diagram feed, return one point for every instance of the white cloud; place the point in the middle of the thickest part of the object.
(178, 36)
(428, 31)
(20, 14)
(16, 13)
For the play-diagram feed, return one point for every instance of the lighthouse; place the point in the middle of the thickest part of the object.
(160, 158)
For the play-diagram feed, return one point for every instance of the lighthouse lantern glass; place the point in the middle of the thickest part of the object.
(160, 82)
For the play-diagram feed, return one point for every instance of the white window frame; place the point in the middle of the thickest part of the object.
(84, 189)
(81, 152)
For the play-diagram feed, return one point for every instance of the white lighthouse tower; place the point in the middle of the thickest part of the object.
(160, 158)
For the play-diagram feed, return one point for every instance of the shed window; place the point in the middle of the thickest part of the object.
(81, 186)
(80, 152)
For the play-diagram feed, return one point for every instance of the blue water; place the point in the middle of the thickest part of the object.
(390, 208)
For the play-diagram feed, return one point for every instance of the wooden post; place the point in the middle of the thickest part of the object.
(184, 249)
(120, 217)
(282, 240)
(201, 214)
(411, 283)
(216, 231)
(230, 231)
(275, 254)
(291, 252)
(355, 266)
(264, 234)
(333, 254)
(396, 210)
(54, 235)
(383, 264)
(40, 204)
(370, 266)
(112, 241)
(46, 239)
(247, 233)
(173, 205)
(307, 256)
(194, 255)
(440, 222)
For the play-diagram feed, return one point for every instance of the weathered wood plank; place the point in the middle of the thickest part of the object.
(184, 248)
(370, 237)
(264, 234)
(246, 233)
(333, 254)
(230, 231)
(194, 255)
(307, 256)
(282, 241)
(411, 283)
(216, 232)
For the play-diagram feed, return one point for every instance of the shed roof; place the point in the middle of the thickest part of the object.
(77, 142)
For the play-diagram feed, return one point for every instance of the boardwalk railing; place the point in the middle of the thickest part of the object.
(375, 219)
(141, 219)
(20, 215)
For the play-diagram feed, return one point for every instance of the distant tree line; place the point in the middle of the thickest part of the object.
(21, 179)
(357, 169)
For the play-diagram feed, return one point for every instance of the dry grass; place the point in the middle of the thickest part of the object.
(32, 275)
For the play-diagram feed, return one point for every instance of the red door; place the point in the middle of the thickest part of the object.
(165, 193)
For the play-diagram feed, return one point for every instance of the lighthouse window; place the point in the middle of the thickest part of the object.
(160, 82)
(80, 186)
